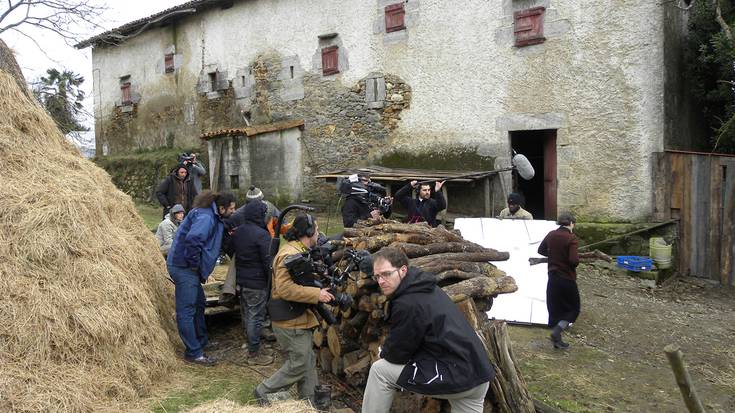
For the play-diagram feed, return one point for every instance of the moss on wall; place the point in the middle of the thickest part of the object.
(138, 173)
(460, 158)
(637, 244)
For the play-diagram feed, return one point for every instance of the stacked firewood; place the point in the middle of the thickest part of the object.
(349, 347)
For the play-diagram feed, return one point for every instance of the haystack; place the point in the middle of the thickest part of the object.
(86, 317)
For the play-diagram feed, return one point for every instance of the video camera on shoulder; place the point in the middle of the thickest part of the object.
(361, 187)
(314, 268)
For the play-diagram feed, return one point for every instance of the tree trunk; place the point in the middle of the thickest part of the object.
(509, 390)
(489, 255)
(488, 269)
(415, 250)
(480, 287)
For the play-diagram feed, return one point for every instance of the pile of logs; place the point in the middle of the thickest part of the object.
(463, 271)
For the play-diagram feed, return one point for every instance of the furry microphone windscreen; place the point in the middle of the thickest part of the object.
(523, 166)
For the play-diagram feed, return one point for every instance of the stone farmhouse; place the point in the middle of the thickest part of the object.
(283, 90)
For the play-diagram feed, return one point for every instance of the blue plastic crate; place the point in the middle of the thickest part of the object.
(635, 263)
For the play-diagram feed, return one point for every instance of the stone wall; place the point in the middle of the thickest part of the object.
(451, 83)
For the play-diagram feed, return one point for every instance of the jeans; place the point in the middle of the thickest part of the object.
(190, 303)
(252, 314)
(381, 387)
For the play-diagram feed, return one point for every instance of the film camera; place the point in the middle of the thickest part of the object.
(315, 268)
(187, 157)
(372, 193)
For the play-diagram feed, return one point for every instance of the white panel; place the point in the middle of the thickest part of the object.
(520, 238)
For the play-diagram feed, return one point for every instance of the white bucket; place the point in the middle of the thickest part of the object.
(660, 252)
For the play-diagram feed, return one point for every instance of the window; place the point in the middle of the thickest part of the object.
(329, 60)
(394, 18)
(168, 62)
(375, 92)
(234, 181)
(529, 26)
(125, 95)
(213, 81)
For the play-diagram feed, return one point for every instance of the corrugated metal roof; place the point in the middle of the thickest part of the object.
(136, 27)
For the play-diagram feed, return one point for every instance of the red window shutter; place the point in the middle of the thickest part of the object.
(329, 60)
(528, 26)
(125, 94)
(169, 62)
(394, 18)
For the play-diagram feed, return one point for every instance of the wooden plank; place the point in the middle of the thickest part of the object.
(446, 198)
(685, 178)
(699, 205)
(661, 187)
(486, 191)
(677, 184)
(714, 229)
(728, 225)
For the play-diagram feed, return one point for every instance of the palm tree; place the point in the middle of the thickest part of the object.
(61, 95)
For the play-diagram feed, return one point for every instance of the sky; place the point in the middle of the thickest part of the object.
(57, 54)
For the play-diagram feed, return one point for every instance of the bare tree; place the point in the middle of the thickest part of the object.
(66, 18)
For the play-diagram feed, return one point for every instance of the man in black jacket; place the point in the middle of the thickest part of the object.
(357, 205)
(426, 205)
(250, 242)
(176, 188)
(430, 348)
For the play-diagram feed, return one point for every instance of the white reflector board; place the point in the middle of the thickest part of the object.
(520, 238)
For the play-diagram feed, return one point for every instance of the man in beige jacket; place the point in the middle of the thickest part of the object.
(292, 319)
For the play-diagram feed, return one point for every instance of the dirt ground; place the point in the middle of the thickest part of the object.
(616, 361)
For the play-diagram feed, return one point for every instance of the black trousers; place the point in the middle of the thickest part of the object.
(562, 299)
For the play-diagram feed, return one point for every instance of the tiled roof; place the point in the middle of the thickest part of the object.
(134, 28)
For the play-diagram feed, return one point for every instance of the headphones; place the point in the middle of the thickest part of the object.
(309, 226)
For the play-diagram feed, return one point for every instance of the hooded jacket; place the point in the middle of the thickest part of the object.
(428, 333)
(172, 190)
(198, 241)
(354, 209)
(165, 233)
(250, 242)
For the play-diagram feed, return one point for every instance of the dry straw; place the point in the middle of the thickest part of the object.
(86, 314)
(228, 406)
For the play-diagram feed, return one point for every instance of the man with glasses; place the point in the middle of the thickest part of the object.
(430, 348)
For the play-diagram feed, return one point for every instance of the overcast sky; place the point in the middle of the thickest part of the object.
(56, 53)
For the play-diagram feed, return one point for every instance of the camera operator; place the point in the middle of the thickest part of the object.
(292, 319)
(360, 202)
(195, 168)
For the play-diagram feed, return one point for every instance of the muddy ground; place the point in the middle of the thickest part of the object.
(615, 364)
(616, 361)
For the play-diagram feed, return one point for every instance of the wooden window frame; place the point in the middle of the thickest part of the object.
(168, 62)
(529, 34)
(395, 18)
(327, 52)
(126, 96)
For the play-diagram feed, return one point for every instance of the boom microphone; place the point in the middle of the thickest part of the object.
(523, 166)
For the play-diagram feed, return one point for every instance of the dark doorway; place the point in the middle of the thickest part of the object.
(539, 146)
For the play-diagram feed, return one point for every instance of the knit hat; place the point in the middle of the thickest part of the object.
(176, 208)
(254, 193)
(515, 199)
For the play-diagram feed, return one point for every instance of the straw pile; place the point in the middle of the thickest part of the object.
(86, 315)
(228, 406)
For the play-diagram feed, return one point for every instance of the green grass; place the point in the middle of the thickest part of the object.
(150, 213)
(205, 384)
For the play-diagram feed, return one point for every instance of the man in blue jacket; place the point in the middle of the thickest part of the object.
(430, 347)
(191, 259)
